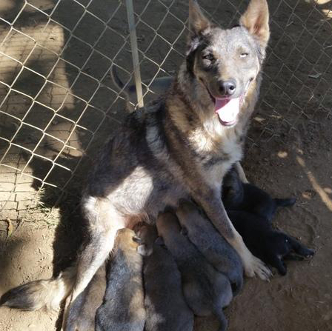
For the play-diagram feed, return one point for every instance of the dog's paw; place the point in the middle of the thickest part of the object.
(258, 268)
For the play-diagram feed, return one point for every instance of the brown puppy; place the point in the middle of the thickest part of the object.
(165, 306)
(123, 307)
(205, 289)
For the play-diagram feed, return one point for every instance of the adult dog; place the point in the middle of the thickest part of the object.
(179, 147)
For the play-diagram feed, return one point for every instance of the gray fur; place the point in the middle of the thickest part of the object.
(205, 289)
(165, 306)
(211, 244)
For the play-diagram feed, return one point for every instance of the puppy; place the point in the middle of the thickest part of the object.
(270, 245)
(237, 195)
(166, 309)
(205, 289)
(81, 316)
(123, 306)
(210, 243)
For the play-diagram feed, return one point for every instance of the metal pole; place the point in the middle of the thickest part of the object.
(134, 52)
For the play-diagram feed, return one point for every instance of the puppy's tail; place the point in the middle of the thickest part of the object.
(41, 293)
(285, 202)
(222, 319)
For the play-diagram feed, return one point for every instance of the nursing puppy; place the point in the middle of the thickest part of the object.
(166, 309)
(82, 313)
(123, 306)
(251, 211)
(210, 243)
(237, 195)
(271, 246)
(205, 289)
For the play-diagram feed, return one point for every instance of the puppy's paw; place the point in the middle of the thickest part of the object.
(258, 268)
(309, 252)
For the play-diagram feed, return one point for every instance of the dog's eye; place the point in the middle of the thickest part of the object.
(208, 56)
(244, 54)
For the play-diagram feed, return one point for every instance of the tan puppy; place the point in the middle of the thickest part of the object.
(123, 307)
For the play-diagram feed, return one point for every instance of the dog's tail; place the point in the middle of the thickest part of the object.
(41, 293)
(116, 79)
(126, 91)
(285, 202)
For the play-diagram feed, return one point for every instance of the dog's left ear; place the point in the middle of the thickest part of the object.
(256, 21)
(198, 23)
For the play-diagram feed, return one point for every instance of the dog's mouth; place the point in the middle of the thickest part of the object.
(228, 108)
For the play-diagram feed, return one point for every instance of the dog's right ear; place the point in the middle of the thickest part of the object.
(198, 23)
(256, 21)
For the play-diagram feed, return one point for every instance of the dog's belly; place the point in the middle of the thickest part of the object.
(142, 195)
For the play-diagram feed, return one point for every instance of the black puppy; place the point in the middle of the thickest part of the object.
(251, 211)
(270, 245)
(247, 197)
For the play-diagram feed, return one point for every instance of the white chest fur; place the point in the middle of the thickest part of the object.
(219, 156)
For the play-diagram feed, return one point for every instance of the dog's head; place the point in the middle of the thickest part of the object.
(226, 62)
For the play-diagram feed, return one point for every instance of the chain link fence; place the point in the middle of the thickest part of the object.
(58, 102)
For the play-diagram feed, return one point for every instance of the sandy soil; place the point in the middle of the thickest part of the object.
(288, 154)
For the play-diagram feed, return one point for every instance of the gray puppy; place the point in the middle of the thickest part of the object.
(210, 243)
(166, 309)
(205, 289)
(123, 307)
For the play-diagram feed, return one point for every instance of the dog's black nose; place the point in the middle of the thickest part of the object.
(227, 87)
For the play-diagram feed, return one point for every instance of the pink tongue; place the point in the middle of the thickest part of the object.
(227, 109)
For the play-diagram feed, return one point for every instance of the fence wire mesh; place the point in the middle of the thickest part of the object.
(58, 102)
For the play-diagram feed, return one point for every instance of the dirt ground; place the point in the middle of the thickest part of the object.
(288, 153)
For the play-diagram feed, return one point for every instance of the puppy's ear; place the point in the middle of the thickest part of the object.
(160, 241)
(198, 23)
(184, 231)
(279, 264)
(144, 250)
(137, 239)
(256, 21)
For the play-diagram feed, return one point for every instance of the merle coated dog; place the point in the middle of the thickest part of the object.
(180, 147)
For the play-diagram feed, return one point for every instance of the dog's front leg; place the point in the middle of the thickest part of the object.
(210, 201)
(103, 222)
